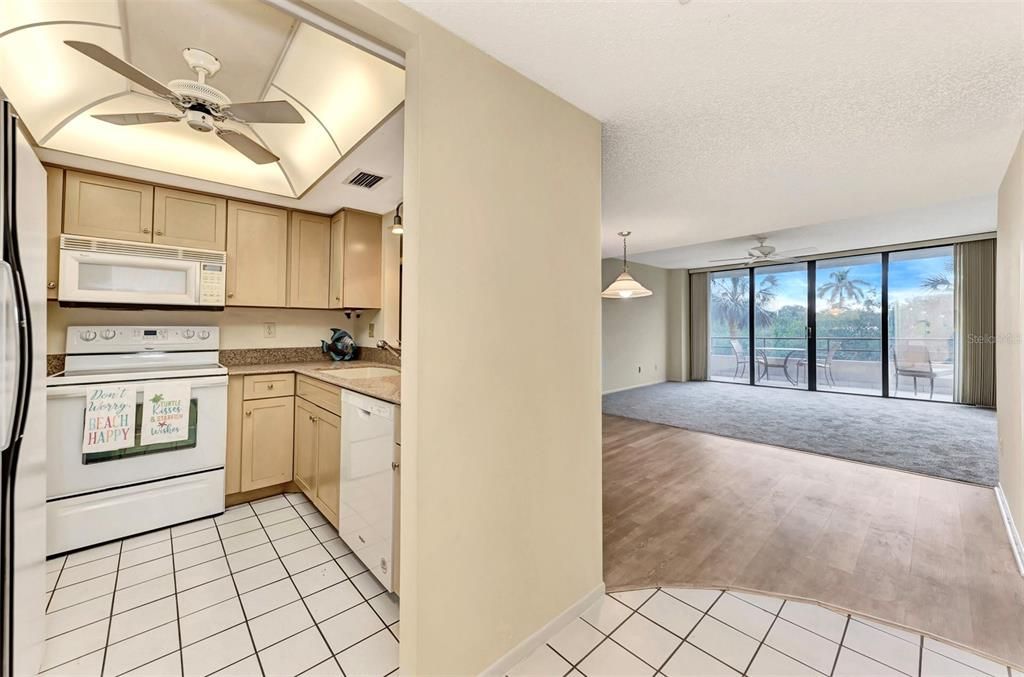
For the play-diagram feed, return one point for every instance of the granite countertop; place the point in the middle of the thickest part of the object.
(387, 388)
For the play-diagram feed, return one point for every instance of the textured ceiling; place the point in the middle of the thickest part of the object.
(724, 119)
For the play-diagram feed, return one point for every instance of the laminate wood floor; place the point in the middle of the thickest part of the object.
(683, 508)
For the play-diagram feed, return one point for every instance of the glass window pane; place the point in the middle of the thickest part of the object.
(848, 324)
(729, 306)
(922, 329)
(780, 325)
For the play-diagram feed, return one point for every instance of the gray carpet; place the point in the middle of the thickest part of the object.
(932, 438)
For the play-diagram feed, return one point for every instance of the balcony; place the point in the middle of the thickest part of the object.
(855, 364)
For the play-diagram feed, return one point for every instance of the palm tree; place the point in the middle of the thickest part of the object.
(842, 289)
(939, 282)
(731, 302)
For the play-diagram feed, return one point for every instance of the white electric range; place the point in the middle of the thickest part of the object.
(98, 495)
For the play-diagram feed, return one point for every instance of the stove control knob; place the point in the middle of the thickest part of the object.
(188, 333)
(204, 334)
(108, 334)
(87, 335)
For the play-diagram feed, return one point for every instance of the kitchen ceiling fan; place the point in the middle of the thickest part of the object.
(201, 106)
(764, 253)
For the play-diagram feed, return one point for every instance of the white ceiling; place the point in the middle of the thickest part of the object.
(724, 119)
(949, 219)
(342, 92)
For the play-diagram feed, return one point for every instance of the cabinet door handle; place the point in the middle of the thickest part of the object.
(394, 465)
(51, 285)
(159, 232)
(231, 294)
(146, 231)
(270, 386)
(249, 413)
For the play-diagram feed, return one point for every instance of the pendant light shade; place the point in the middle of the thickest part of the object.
(624, 286)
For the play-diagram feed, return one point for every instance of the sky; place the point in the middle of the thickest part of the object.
(906, 271)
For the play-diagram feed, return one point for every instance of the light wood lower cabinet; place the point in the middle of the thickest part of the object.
(267, 429)
(318, 456)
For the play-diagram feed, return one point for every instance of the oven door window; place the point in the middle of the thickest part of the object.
(138, 449)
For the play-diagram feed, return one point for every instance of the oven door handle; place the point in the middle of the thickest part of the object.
(55, 391)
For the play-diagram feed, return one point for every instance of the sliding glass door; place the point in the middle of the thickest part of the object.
(848, 324)
(729, 344)
(882, 324)
(780, 325)
(922, 334)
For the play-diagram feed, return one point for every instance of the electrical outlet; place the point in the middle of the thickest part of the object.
(269, 329)
(371, 330)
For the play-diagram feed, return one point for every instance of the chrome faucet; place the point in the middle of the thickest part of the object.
(397, 352)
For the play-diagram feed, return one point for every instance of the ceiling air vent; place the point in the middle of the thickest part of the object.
(364, 179)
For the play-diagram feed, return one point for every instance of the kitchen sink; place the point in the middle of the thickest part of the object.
(363, 372)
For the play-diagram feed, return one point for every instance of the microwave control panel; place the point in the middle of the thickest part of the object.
(211, 284)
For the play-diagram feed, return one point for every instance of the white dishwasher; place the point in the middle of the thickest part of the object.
(368, 464)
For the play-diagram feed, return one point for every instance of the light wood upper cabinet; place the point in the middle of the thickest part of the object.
(328, 464)
(100, 206)
(267, 429)
(355, 260)
(257, 265)
(54, 215)
(310, 260)
(183, 219)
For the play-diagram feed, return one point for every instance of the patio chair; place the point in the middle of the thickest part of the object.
(741, 358)
(914, 361)
(825, 365)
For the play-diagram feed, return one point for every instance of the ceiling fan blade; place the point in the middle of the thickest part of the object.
(118, 65)
(138, 118)
(247, 147)
(796, 252)
(780, 259)
(732, 260)
(265, 111)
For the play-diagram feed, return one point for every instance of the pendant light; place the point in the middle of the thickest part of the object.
(396, 226)
(625, 287)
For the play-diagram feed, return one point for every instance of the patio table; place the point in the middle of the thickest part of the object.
(780, 357)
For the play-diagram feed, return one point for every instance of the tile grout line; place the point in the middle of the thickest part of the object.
(703, 615)
(177, 611)
(764, 637)
(297, 591)
(238, 596)
(920, 655)
(842, 640)
(110, 617)
(60, 573)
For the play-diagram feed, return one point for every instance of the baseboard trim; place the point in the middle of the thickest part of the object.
(519, 653)
(1016, 545)
(638, 385)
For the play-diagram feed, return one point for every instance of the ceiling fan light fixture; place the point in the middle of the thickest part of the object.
(625, 286)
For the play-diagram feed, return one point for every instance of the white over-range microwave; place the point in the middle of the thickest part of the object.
(96, 271)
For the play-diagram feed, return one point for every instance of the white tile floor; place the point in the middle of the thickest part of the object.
(675, 632)
(263, 589)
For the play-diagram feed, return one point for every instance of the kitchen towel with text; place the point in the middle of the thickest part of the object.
(165, 412)
(109, 418)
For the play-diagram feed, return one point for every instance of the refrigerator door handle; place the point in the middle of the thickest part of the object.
(10, 353)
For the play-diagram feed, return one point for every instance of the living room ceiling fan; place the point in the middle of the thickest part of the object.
(201, 106)
(764, 253)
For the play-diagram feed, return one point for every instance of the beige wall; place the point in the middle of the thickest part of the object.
(634, 332)
(501, 432)
(240, 327)
(1009, 328)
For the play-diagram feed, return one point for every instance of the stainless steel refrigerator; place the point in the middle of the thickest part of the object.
(22, 401)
